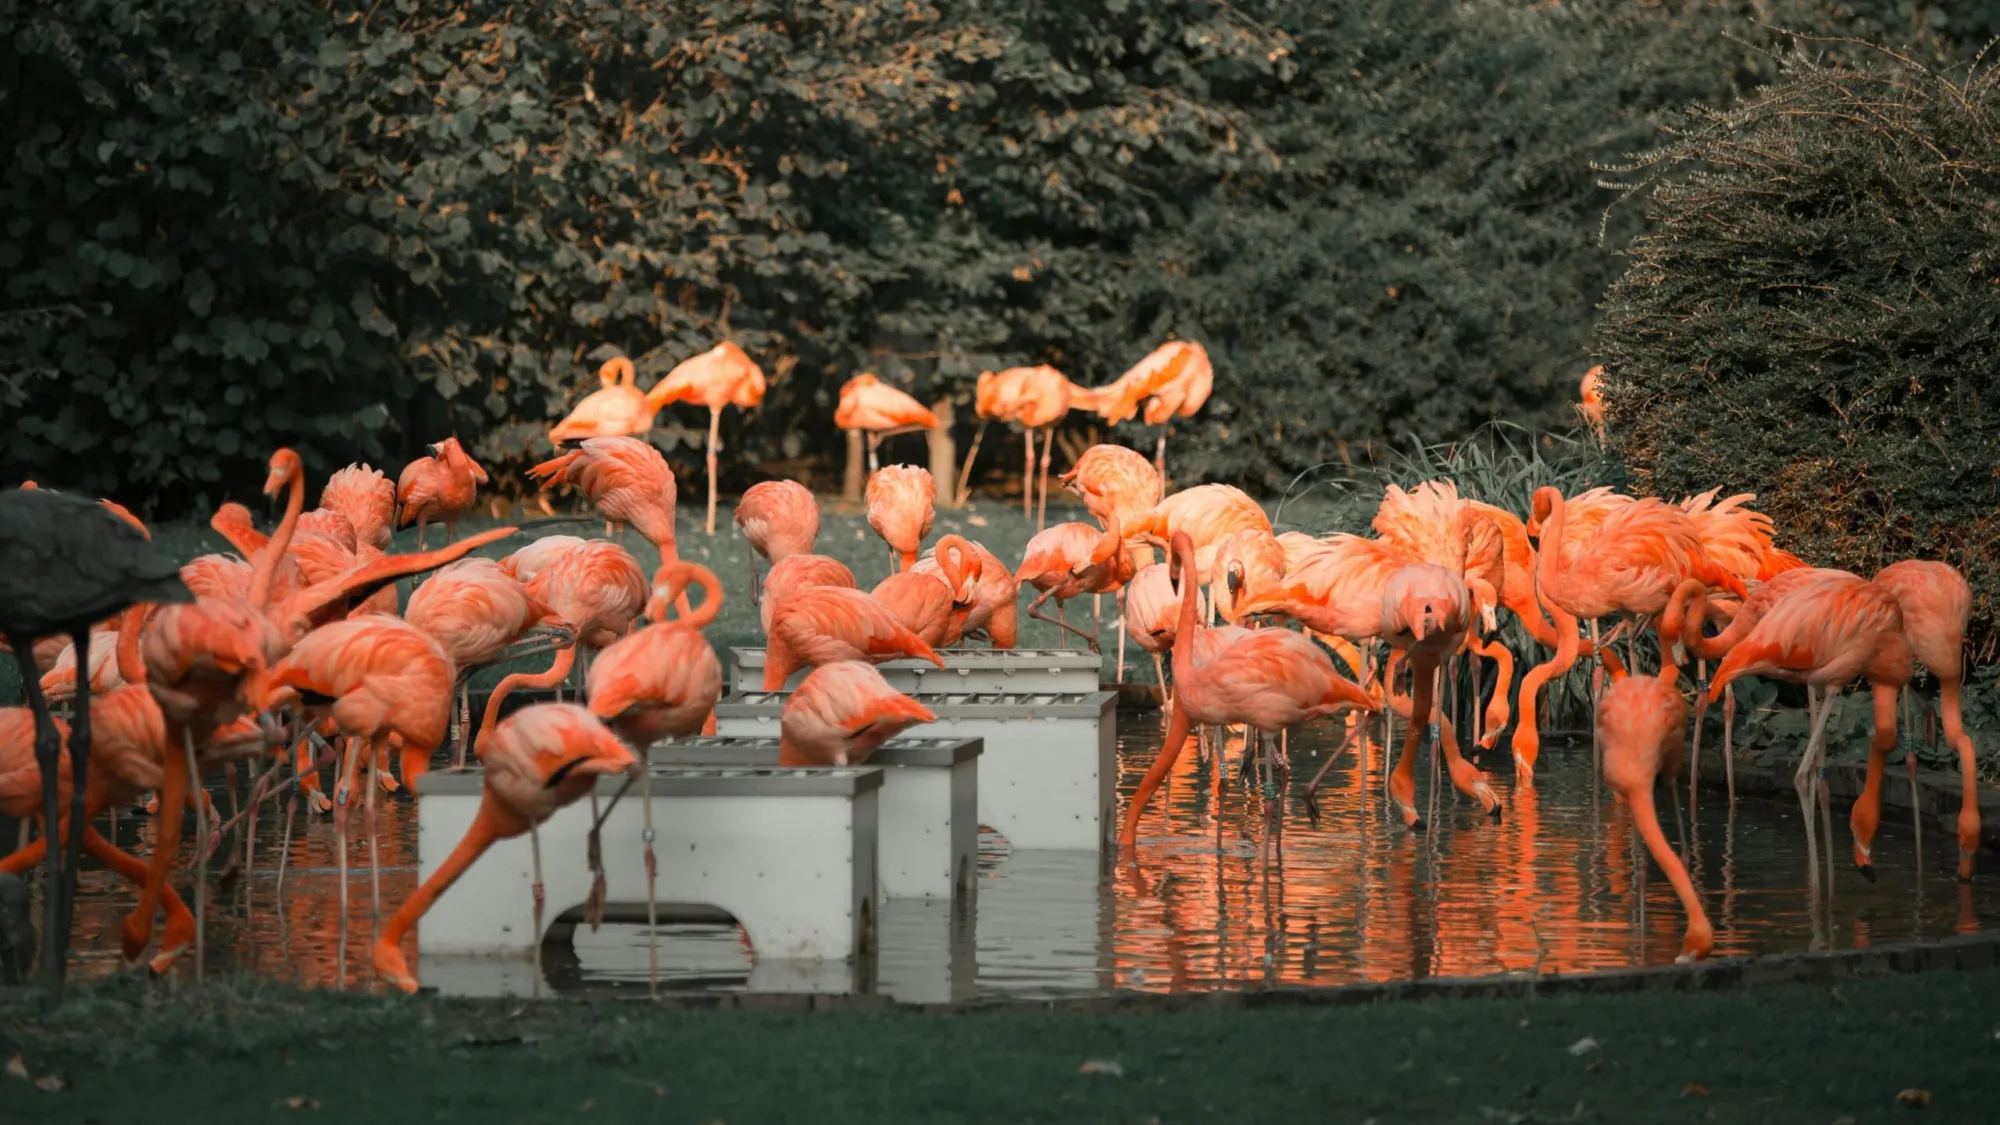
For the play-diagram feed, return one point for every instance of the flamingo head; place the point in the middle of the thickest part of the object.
(1542, 507)
(285, 466)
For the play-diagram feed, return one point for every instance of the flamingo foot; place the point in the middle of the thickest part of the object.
(318, 802)
(390, 966)
(1403, 791)
(389, 782)
(136, 934)
(1965, 863)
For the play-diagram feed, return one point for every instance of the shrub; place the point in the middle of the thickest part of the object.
(1811, 317)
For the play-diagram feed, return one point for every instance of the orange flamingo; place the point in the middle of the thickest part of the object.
(1269, 679)
(1591, 400)
(841, 714)
(1936, 603)
(1631, 563)
(1177, 376)
(995, 596)
(1209, 513)
(1824, 632)
(1426, 612)
(826, 624)
(935, 604)
(618, 408)
(869, 404)
(440, 488)
(537, 761)
(1036, 397)
(628, 482)
(476, 612)
(596, 591)
(901, 506)
(801, 572)
(1116, 483)
(367, 499)
(1152, 608)
(1070, 560)
(1640, 722)
(535, 557)
(721, 376)
(780, 518)
(1244, 560)
(661, 681)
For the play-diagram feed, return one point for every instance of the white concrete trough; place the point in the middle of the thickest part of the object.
(1048, 776)
(787, 854)
(969, 669)
(928, 833)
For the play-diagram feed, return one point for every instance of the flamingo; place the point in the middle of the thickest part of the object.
(1152, 608)
(1036, 397)
(995, 597)
(935, 604)
(1209, 513)
(1936, 603)
(841, 714)
(721, 376)
(1426, 612)
(1591, 400)
(67, 563)
(901, 506)
(1177, 375)
(1640, 722)
(827, 624)
(535, 557)
(1070, 560)
(367, 499)
(1116, 483)
(800, 572)
(618, 408)
(540, 759)
(1247, 559)
(869, 404)
(628, 482)
(476, 612)
(440, 488)
(595, 591)
(780, 518)
(1268, 679)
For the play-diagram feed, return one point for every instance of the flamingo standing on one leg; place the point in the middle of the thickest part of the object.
(1641, 722)
(618, 408)
(841, 714)
(780, 518)
(902, 503)
(880, 410)
(721, 376)
(827, 624)
(538, 760)
(1269, 679)
(441, 488)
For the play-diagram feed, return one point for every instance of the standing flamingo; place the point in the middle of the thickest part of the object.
(1116, 483)
(1426, 612)
(934, 604)
(628, 482)
(1269, 679)
(596, 591)
(800, 572)
(440, 488)
(827, 624)
(995, 596)
(1038, 398)
(1177, 375)
(721, 376)
(536, 557)
(1936, 603)
(618, 408)
(476, 612)
(780, 518)
(367, 499)
(1209, 513)
(869, 404)
(841, 714)
(67, 563)
(901, 507)
(1641, 722)
(1070, 560)
(538, 760)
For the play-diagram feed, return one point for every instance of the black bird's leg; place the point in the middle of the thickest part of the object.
(79, 763)
(48, 756)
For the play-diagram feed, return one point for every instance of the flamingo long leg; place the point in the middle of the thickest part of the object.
(714, 447)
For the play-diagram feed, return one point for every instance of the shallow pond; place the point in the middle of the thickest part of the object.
(1233, 892)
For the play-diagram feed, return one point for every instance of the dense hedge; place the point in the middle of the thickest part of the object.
(1814, 316)
(353, 226)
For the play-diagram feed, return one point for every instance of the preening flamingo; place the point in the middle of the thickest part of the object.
(628, 482)
(721, 376)
(800, 572)
(1590, 402)
(1116, 483)
(1641, 722)
(901, 507)
(440, 488)
(596, 590)
(780, 518)
(1177, 376)
(827, 624)
(995, 596)
(618, 408)
(934, 604)
(67, 563)
(538, 760)
(477, 612)
(841, 714)
(367, 499)
(878, 409)
(1269, 679)
(1070, 560)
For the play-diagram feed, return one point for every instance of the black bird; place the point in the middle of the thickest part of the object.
(67, 563)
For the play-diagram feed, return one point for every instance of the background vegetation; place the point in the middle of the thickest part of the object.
(355, 226)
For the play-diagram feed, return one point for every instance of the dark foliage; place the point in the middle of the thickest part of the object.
(1812, 317)
(353, 227)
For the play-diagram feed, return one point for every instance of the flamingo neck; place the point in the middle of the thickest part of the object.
(490, 719)
(1184, 629)
(131, 666)
(280, 542)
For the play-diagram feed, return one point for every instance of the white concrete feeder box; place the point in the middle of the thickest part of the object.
(970, 669)
(788, 854)
(928, 834)
(1048, 776)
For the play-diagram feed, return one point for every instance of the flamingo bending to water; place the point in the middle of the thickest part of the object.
(841, 714)
(780, 518)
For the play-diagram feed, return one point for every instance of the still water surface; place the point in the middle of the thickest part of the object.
(1229, 893)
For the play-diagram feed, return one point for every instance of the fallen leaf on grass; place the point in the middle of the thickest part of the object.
(976, 521)
(587, 1103)
(1102, 1066)
(50, 1084)
(1583, 1046)
(1694, 1090)
(1507, 1116)
(300, 1101)
(1914, 1098)
(16, 1068)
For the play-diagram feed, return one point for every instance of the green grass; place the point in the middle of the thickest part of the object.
(246, 1052)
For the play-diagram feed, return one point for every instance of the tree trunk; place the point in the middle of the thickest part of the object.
(944, 454)
(856, 475)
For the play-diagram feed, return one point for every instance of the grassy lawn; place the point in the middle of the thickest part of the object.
(1786, 1053)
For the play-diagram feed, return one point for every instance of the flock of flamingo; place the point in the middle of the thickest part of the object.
(297, 652)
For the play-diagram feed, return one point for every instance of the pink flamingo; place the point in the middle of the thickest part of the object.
(841, 714)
